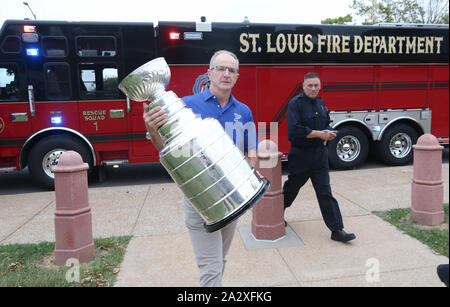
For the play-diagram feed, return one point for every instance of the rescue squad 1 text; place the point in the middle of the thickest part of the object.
(94, 115)
(307, 43)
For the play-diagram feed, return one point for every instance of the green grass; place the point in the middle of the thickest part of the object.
(437, 238)
(31, 265)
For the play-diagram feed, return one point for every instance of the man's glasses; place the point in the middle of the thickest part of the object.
(222, 69)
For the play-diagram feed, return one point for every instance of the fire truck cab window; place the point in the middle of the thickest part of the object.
(96, 46)
(55, 47)
(98, 81)
(57, 81)
(9, 87)
(11, 44)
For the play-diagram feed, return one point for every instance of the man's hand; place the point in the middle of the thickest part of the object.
(328, 135)
(325, 135)
(155, 119)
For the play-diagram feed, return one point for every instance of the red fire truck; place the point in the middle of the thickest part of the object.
(384, 85)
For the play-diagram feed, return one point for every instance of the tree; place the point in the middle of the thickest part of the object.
(402, 11)
(436, 11)
(338, 20)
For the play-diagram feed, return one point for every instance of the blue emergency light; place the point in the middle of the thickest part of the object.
(56, 120)
(33, 51)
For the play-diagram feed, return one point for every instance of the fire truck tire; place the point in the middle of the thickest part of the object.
(349, 149)
(395, 147)
(46, 153)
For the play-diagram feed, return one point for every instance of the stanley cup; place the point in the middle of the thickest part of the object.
(198, 154)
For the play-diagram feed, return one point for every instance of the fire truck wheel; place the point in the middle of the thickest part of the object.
(349, 149)
(395, 147)
(46, 153)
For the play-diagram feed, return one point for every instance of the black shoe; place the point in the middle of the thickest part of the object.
(442, 271)
(342, 236)
(285, 223)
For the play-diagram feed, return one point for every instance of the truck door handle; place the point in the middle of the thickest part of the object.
(31, 100)
(19, 117)
(128, 105)
(116, 113)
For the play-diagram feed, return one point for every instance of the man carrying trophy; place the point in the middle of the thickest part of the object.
(210, 248)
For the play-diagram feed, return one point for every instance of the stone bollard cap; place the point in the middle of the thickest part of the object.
(428, 142)
(267, 149)
(69, 162)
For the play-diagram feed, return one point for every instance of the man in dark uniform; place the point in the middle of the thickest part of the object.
(309, 129)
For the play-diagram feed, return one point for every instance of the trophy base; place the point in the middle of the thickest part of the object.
(253, 201)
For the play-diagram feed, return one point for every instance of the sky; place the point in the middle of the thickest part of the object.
(270, 11)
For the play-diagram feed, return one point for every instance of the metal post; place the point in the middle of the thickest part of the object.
(26, 4)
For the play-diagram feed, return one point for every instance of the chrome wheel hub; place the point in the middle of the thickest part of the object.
(348, 148)
(400, 145)
(51, 159)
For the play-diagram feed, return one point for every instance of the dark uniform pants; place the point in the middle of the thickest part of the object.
(320, 179)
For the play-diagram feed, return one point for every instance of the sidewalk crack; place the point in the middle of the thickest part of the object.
(140, 210)
(26, 222)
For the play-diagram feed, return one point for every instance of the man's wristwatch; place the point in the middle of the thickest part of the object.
(147, 136)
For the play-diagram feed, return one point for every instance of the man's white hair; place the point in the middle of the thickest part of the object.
(217, 53)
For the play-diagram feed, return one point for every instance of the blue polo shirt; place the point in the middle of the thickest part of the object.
(236, 118)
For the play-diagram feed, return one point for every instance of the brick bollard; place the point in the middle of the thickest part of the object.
(268, 214)
(73, 221)
(427, 192)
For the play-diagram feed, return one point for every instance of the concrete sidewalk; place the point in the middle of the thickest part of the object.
(160, 253)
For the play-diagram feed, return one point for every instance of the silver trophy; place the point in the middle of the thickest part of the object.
(198, 154)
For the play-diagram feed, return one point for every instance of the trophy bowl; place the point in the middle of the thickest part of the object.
(198, 154)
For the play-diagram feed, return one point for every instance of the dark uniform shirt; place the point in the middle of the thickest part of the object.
(304, 115)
